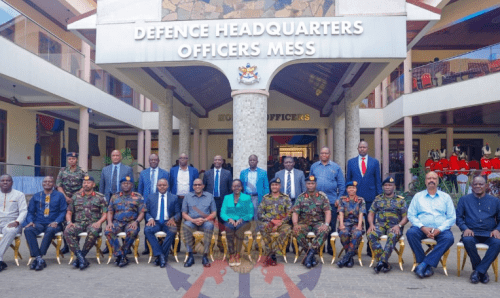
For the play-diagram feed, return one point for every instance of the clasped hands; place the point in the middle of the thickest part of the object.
(430, 232)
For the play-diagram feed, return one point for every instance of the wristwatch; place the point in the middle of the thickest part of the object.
(68, 222)
(400, 226)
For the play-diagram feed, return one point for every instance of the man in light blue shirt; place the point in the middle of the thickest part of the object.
(432, 214)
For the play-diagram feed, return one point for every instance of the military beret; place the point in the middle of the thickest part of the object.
(388, 180)
(352, 183)
(311, 178)
(128, 179)
(275, 180)
(72, 154)
(88, 178)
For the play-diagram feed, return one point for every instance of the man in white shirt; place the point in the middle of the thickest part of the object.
(163, 210)
(13, 211)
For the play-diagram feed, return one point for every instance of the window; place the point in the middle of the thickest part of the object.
(3, 136)
(73, 140)
(110, 146)
(132, 145)
(94, 145)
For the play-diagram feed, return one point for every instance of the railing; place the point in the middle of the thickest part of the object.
(368, 102)
(467, 66)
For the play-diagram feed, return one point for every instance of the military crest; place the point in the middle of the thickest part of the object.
(248, 75)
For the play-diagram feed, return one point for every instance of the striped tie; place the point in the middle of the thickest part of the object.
(289, 184)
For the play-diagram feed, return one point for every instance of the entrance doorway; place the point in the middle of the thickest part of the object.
(51, 152)
(301, 147)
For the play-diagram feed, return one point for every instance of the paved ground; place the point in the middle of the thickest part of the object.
(147, 280)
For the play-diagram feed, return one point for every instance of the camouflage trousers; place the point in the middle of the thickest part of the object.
(71, 235)
(112, 236)
(382, 254)
(316, 241)
(350, 238)
(271, 247)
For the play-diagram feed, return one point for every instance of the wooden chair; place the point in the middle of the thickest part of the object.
(333, 238)
(123, 235)
(57, 244)
(15, 247)
(401, 242)
(310, 236)
(431, 243)
(282, 246)
(97, 247)
(161, 236)
(479, 246)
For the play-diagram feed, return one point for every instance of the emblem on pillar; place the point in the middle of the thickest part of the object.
(247, 75)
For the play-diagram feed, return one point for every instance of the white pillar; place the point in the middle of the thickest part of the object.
(249, 128)
(378, 96)
(352, 130)
(147, 103)
(321, 139)
(83, 140)
(376, 142)
(407, 74)
(385, 152)
(339, 136)
(203, 149)
(147, 148)
(165, 111)
(195, 158)
(86, 62)
(185, 131)
(449, 133)
(142, 101)
(329, 137)
(385, 83)
(140, 150)
(408, 155)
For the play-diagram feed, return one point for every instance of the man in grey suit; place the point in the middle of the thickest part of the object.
(218, 182)
(293, 181)
(111, 176)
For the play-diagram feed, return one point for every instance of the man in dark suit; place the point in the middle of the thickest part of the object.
(111, 176)
(293, 181)
(163, 210)
(366, 171)
(218, 182)
(147, 183)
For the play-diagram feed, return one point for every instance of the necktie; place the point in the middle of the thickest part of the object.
(289, 183)
(153, 181)
(162, 210)
(363, 165)
(114, 183)
(216, 186)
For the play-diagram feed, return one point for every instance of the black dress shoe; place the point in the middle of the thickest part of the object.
(123, 262)
(189, 261)
(105, 251)
(205, 261)
(420, 270)
(3, 265)
(145, 252)
(343, 262)
(64, 250)
(308, 259)
(484, 278)
(429, 271)
(388, 268)
(117, 260)
(157, 261)
(314, 262)
(350, 264)
(273, 257)
(82, 262)
(474, 277)
(33, 264)
(40, 264)
(379, 267)
(162, 261)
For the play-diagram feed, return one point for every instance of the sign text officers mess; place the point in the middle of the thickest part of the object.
(247, 49)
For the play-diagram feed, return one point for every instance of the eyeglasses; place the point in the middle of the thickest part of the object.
(197, 184)
(183, 158)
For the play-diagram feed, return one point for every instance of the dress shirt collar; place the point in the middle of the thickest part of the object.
(427, 194)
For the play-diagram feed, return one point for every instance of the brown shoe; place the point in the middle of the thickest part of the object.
(238, 260)
(232, 260)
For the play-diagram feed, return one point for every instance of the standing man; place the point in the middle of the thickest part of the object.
(293, 181)
(125, 211)
(199, 212)
(366, 171)
(218, 182)
(163, 211)
(13, 211)
(478, 217)
(255, 183)
(330, 181)
(387, 216)
(68, 182)
(147, 183)
(46, 212)
(90, 210)
(432, 214)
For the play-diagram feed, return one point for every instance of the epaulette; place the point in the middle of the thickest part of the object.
(99, 194)
(323, 194)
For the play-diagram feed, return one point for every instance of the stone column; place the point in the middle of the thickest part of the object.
(86, 62)
(329, 135)
(185, 131)
(165, 111)
(140, 150)
(83, 139)
(378, 96)
(147, 148)
(407, 74)
(195, 158)
(249, 128)
(352, 130)
(385, 83)
(385, 152)
(408, 155)
(449, 133)
(203, 149)
(321, 139)
(339, 136)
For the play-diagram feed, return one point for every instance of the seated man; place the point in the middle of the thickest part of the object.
(13, 212)
(478, 217)
(274, 213)
(46, 212)
(432, 214)
(311, 213)
(89, 209)
(163, 211)
(199, 212)
(125, 211)
(387, 216)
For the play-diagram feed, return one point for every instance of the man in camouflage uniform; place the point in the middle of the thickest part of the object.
(389, 212)
(125, 211)
(90, 210)
(274, 214)
(68, 182)
(311, 213)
